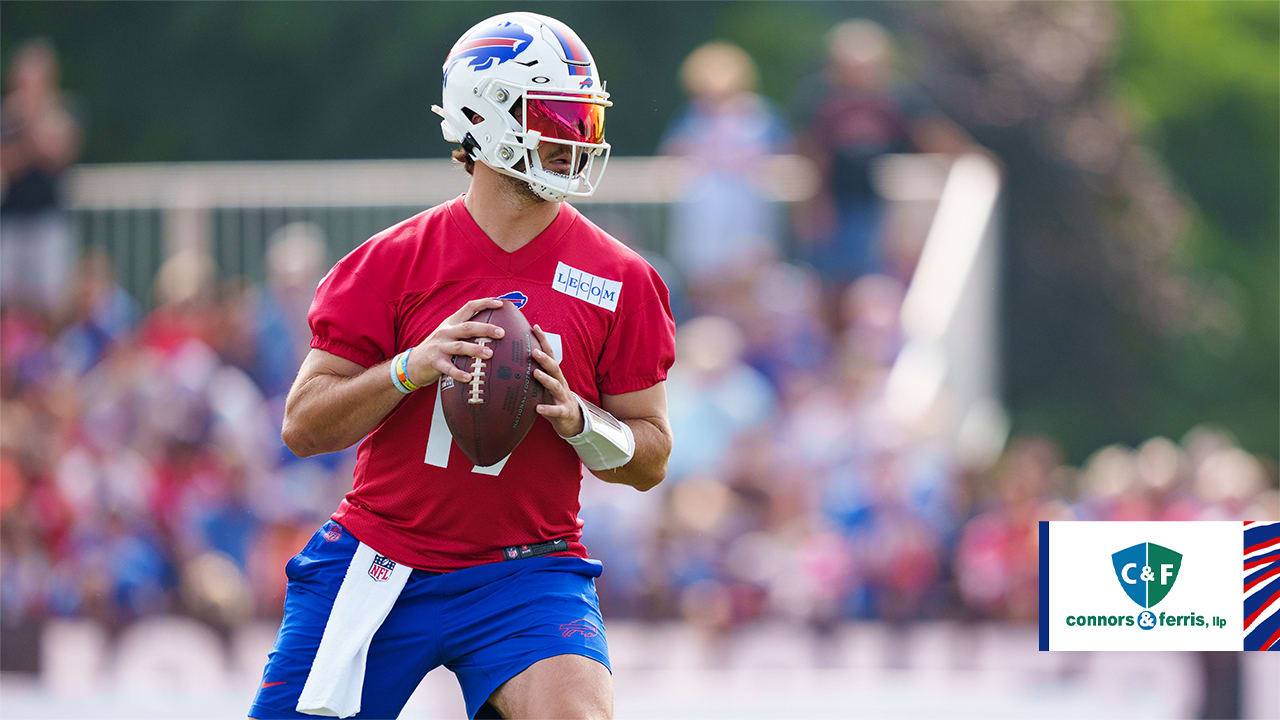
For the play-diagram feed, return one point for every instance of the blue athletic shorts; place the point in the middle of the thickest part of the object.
(485, 623)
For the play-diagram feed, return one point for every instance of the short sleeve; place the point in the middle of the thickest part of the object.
(642, 346)
(349, 319)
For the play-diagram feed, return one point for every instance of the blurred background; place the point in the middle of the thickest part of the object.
(939, 270)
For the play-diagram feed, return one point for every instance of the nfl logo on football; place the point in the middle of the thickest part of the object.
(381, 568)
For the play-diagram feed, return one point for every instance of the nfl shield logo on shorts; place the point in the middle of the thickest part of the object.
(380, 569)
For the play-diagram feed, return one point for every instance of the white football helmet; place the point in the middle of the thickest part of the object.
(520, 79)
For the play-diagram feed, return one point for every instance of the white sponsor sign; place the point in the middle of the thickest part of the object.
(1141, 586)
(585, 286)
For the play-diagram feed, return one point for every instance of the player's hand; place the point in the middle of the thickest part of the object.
(433, 357)
(563, 412)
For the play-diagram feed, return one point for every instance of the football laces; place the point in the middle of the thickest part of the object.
(477, 376)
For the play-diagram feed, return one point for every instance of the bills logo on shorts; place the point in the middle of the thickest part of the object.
(381, 568)
(579, 627)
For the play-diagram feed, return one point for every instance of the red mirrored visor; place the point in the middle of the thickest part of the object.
(566, 119)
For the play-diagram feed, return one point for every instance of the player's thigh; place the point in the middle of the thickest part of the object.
(541, 608)
(563, 686)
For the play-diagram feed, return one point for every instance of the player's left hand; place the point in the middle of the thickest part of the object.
(564, 413)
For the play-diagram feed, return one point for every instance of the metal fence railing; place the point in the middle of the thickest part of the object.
(139, 214)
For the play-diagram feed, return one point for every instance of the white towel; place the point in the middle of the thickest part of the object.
(368, 592)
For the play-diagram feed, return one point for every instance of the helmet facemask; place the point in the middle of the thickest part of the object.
(530, 117)
(574, 122)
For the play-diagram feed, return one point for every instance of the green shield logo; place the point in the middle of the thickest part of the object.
(1146, 571)
(1165, 564)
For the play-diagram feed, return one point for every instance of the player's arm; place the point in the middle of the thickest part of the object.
(335, 402)
(643, 412)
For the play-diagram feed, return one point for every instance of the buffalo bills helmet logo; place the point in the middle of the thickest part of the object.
(487, 47)
(516, 297)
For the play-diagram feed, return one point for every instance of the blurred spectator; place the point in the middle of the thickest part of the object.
(38, 141)
(101, 312)
(996, 558)
(857, 112)
(723, 223)
(780, 315)
(185, 290)
(713, 395)
(295, 264)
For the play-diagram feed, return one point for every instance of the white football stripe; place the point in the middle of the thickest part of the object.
(439, 437)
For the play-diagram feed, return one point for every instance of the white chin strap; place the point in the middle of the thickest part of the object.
(549, 184)
(556, 187)
(547, 193)
(542, 190)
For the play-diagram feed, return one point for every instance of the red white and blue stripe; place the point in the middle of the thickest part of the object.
(1261, 585)
(575, 51)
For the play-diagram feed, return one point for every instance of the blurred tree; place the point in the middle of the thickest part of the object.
(1204, 81)
(1140, 289)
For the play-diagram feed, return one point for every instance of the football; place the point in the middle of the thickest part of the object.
(490, 415)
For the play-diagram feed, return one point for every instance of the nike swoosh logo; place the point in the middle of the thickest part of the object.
(267, 684)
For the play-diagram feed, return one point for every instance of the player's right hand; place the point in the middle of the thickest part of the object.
(433, 357)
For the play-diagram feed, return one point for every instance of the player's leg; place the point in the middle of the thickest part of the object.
(563, 686)
(402, 651)
(527, 636)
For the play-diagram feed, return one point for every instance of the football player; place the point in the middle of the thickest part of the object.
(430, 560)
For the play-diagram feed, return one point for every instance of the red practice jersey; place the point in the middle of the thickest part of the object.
(416, 498)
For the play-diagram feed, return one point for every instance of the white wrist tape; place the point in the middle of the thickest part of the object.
(605, 442)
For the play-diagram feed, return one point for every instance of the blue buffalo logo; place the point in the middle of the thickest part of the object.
(516, 297)
(489, 47)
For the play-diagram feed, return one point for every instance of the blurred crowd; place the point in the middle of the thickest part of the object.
(142, 472)
(141, 467)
